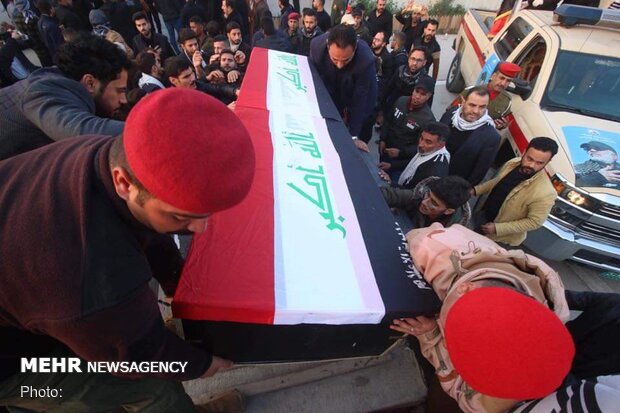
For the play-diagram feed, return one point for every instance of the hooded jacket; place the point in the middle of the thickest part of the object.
(449, 257)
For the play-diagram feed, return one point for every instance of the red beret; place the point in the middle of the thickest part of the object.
(293, 15)
(509, 69)
(507, 345)
(189, 150)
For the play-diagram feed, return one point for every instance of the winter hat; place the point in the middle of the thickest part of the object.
(507, 345)
(189, 150)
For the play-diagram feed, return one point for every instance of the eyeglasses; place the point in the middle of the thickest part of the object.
(417, 60)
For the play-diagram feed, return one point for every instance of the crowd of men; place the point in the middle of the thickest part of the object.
(155, 109)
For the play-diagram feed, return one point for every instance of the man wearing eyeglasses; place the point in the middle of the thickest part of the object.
(347, 68)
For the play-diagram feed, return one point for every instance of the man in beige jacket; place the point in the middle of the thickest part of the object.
(520, 196)
(456, 262)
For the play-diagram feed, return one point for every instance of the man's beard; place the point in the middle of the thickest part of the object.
(99, 110)
(526, 170)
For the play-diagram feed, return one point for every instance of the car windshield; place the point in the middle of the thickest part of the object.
(586, 84)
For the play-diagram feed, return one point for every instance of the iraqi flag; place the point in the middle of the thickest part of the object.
(503, 15)
(314, 242)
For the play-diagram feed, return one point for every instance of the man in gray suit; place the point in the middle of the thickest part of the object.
(77, 98)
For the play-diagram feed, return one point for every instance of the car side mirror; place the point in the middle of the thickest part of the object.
(520, 87)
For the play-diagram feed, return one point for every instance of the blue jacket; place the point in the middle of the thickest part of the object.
(352, 88)
(45, 107)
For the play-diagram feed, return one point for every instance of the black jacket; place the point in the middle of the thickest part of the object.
(119, 14)
(402, 131)
(305, 40)
(10, 51)
(400, 57)
(275, 42)
(596, 333)
(170, 9)
(157, 40)
(69, 19)
(474, 157)
(224, 92)
(385, 68)
(400, 84)
(50, 34)
(381, 23)
(191, 9)
(352, 88)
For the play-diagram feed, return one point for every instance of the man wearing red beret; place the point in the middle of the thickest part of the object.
(501, 102)
(84, 229)
(292, 31)
(499, 337)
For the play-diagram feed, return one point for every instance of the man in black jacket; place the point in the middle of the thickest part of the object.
(432, 159)
(474, 141)
(324, 21)
(404, 79)
(271, 39)
(402, 129)
(151, 72)
(240, 48)
(347, 68)
(119, 15)
(399, 54)
(308, 31)
(148, 38)
(14, 65)
(67, 17)
(171, 13)
(49, 29)
(435, 199)
(380, 20)
(385, 64)
(180, 74)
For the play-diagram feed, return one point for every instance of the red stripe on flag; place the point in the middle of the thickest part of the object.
(243, 235)
(255, 81)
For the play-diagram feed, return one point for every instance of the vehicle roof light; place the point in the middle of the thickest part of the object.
(570, 15)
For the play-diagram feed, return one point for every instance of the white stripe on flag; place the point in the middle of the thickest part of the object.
(322, 270)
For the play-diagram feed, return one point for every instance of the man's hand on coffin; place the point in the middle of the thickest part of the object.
(385, 165)
(385, 176)
(217, 364)
(361, 145)
(392, 152)
(414, 326)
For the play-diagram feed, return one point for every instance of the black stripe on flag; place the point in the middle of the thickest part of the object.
(404, 292)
